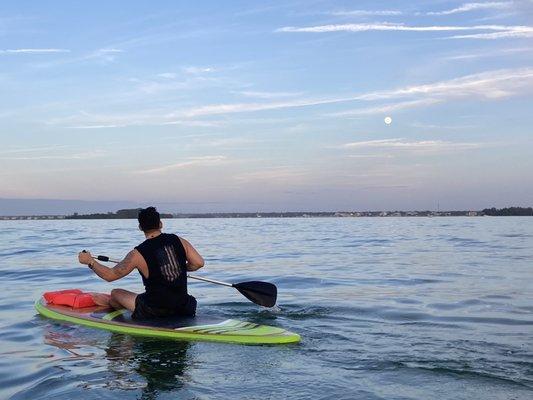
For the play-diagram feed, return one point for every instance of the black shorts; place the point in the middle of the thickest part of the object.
(144, 311)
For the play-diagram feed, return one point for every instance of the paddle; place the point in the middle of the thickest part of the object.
(261, 293)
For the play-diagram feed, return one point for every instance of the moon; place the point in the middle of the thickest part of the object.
(388, 120)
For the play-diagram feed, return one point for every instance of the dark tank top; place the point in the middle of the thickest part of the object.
(166, 285)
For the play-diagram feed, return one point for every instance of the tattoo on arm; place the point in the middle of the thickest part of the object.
(125, 266)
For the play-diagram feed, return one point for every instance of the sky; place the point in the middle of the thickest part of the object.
(268, 105)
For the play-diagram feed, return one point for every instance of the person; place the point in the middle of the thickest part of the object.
(163, 261)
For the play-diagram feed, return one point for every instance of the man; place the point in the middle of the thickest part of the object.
(163, 261)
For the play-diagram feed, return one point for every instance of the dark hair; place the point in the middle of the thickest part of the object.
(149, 219)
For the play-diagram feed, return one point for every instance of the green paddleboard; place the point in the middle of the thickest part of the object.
(197, 328)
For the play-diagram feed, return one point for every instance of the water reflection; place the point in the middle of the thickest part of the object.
(150, 365)
(161, 364)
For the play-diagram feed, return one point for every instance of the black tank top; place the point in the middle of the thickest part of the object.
(166, 285)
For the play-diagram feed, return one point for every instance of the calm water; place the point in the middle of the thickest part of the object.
(388, 308)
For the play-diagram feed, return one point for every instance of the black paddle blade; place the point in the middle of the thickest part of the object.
(262, 293)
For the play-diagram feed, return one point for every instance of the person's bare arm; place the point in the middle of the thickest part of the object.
(123, 268)
(194, 260)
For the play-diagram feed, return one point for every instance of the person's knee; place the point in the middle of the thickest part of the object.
(115, 294)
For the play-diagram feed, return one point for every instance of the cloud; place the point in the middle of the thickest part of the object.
(206, 161)
(168, 75)
(75, 156)
(155, 121)
(192, 70)
(268, 95)
(401, 27)
(87, 120)
(23, 150)
(490, 5)
(169, 81)
(492, 53)
(372, 143)
(365, 156)
(105, 55)
(516, 33)
(215, 109)
(486, 85)
(100, 126)
(426, 126)
(200, 124)
(365, 13)
(491, 85)
(34, 51)
(388, 108)
(400, 143)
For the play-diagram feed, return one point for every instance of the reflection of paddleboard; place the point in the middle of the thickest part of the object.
(230, 331)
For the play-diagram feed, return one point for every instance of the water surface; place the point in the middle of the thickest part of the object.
(388, 308)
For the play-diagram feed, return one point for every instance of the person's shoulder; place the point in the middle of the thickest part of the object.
(141, 245)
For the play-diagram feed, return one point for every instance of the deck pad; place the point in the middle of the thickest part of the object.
(184, 328)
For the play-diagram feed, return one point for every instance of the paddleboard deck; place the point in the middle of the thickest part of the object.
(180, 328)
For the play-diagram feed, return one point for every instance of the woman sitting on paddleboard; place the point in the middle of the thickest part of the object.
(163, 261)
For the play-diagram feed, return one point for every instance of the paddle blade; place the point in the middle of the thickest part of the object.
(262, 293)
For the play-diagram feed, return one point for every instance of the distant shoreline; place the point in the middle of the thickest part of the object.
(132, 214)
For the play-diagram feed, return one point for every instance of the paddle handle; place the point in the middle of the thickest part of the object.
(105, 259)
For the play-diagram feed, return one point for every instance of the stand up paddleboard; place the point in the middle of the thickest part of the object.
(229, 331)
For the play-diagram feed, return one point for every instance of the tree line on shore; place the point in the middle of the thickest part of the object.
(129, 213)
(509, 212)
(132, 214)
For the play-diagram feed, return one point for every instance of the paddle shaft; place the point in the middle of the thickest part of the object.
(261, 293)
(107, 259)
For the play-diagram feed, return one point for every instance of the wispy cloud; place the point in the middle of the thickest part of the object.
(215, 109)
(366, 13)
(169, 81)
(370, 156)
(492, 53)
(501, 30)
(199, 124)
(102, 126)
(168, 75)
(22, 150)
(388, 108)
(153, 121)
(187, 70)
(373, 143)
(426, 126)
(34, 51)
(400, 143)
(195, 70)
(206, 161)
(515, 33)
(489, 5)
(105, 55)
(491, 85)
(75, 156)
(268, 95)
(487, 85)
